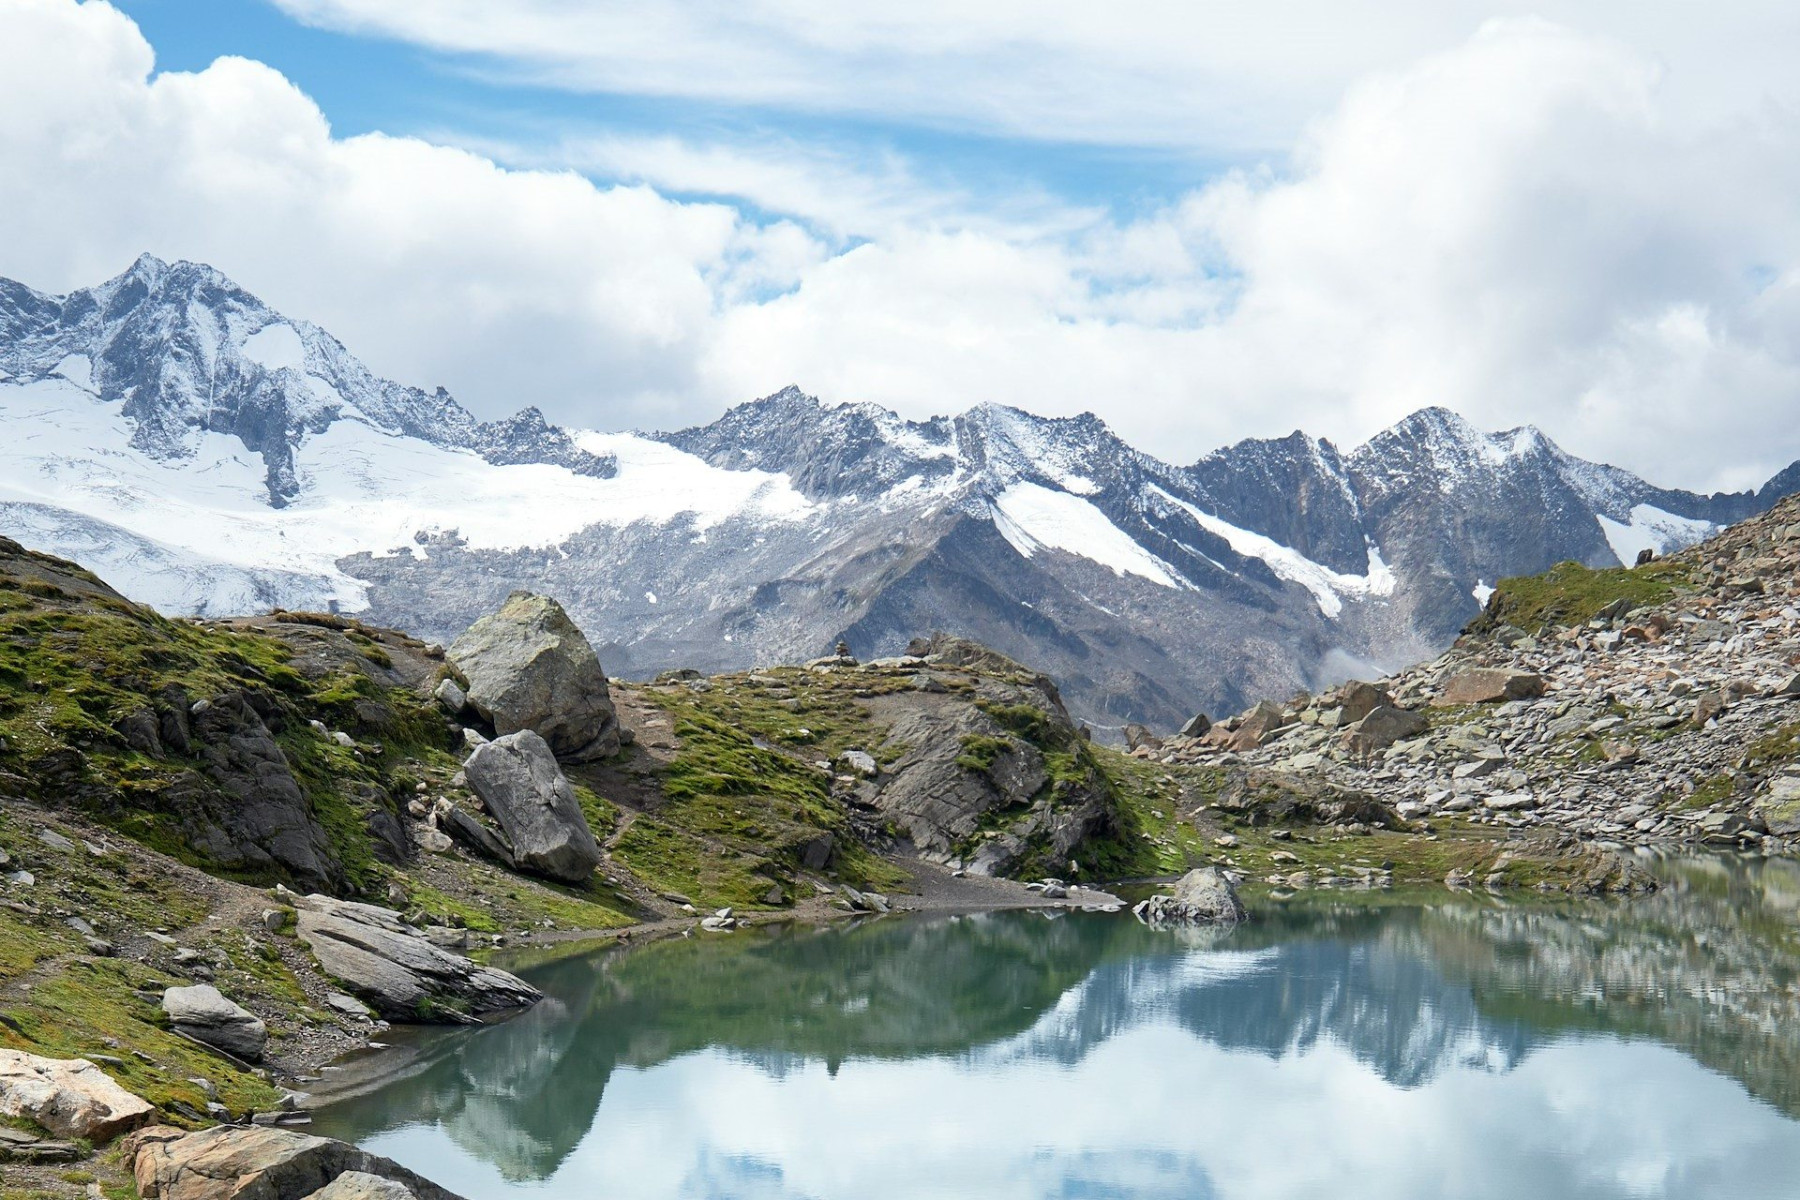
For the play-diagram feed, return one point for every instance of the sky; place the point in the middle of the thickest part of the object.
(1202, 221)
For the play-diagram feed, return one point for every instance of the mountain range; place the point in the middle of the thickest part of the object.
(210, 456)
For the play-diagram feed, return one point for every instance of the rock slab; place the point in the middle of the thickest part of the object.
(71, 1097)
(380, 959)
(231, 1162)
(200, 1012)
(529, 667)
(518, 780)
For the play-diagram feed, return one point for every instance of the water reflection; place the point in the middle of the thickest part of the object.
(1449, 1046)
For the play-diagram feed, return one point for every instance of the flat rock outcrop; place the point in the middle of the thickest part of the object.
(403, 976)
(970, 781)
(518, 780)
(231, 1162)
(529, 667)
(72, 1098)
(202, 1013)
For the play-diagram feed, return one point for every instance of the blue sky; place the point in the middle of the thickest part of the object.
(370, 84)
(1201, 220)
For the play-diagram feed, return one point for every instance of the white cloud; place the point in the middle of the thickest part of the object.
(515, 287)
(1531, 226)
(1144, 72)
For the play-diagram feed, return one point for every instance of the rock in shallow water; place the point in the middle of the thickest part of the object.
(1204, 896)
(259, 1163)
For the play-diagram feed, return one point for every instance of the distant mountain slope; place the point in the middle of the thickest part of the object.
(213, 456)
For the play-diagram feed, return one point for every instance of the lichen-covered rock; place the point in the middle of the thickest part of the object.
(402, 975)
(205, 1015)
(231, 1162)
(518, 780)
(529, 667)
(72, 1098)
(1204, 896)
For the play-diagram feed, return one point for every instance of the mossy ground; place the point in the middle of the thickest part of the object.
(58, 999)
(745, 793)
(1571, 594)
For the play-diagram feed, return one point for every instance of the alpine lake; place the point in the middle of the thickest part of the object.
(1342, 1045)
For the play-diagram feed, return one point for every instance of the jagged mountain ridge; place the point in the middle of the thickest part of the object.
(209, 455)
(187, 352)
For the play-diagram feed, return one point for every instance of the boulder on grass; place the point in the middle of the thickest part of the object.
(529, 667)
(518, 780)
(71, 1097)
(201, 1013)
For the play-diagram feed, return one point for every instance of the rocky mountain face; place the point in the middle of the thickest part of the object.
(1644, 706)
(186, 353)
(214, 457)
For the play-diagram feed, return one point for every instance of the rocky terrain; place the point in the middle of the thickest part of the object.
(211, 456)
(232, 850)
(1629, 707)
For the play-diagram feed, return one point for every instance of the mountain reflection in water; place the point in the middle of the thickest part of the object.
(1386, 1047)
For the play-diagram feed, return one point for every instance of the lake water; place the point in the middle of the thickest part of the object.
(1344, 1047)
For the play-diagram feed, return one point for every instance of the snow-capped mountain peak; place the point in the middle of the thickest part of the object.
(209, 454)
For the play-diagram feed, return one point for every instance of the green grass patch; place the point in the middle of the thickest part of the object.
(1571, 594)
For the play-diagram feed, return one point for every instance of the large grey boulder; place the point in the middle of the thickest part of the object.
(529, 667)
(72, 1097)
(516, 776)
(401, 975)
(203, 1014)
(235, 1162)
(1204, 896)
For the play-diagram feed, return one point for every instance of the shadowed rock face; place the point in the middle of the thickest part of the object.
(529, 668)
(516, 776)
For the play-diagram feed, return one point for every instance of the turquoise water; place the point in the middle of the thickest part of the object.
(1429, 1047)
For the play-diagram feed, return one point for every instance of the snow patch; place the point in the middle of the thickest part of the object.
(1481, 592)
(276, 347)
(362, 489)
(1328, 587)
(1650, 528)
(78, 369)
(1032, 517)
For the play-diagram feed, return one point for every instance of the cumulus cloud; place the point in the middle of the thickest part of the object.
(1531, 226)
(434, 264)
